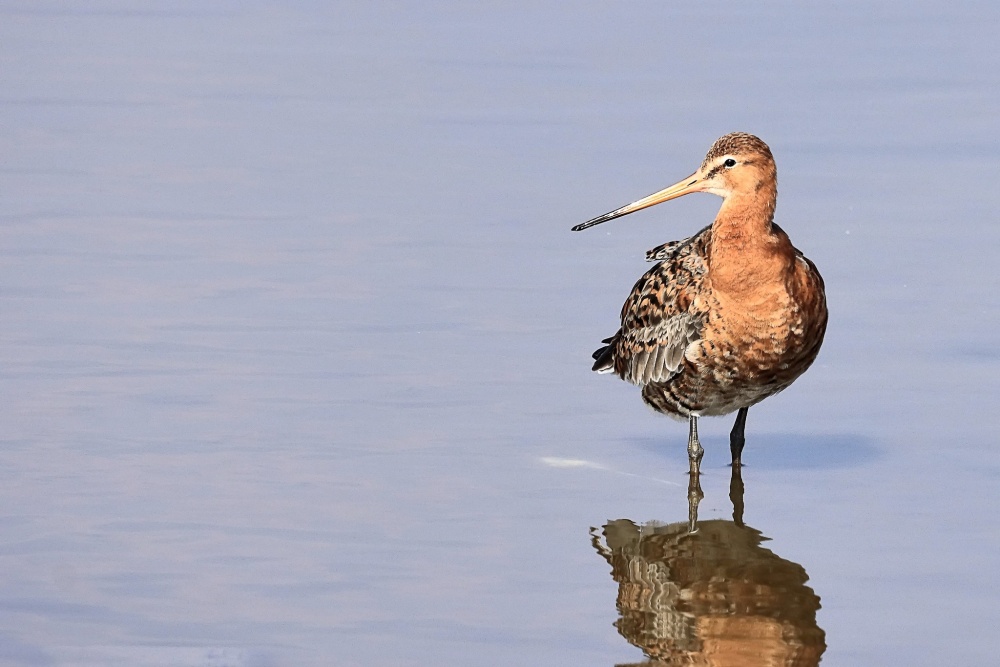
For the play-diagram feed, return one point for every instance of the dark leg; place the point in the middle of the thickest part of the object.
(736, 438)
(695, 450)
(736, 494)
(694, 497)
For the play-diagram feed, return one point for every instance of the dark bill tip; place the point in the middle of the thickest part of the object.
(598, 220)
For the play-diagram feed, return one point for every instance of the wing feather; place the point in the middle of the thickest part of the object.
(661, 316)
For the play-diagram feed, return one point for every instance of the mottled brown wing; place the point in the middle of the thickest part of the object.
(665, 251)
(659, 318)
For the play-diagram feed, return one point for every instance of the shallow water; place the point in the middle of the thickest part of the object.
(294, 346)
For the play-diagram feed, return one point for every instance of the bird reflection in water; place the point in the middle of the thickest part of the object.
(710, 597)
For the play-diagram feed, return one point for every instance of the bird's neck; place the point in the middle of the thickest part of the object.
(746, 216)
(748, 252)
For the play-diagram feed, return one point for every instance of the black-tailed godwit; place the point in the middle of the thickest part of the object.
(727, 317)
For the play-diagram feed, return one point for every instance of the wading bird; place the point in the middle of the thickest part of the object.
(727, 317)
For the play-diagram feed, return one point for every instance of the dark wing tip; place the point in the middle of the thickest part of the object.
(604, 357)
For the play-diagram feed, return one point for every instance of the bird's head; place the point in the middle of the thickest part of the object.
(738, 164)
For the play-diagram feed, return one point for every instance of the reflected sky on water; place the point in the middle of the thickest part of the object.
(294, 345)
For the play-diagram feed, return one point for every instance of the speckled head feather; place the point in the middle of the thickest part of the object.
(737, 143)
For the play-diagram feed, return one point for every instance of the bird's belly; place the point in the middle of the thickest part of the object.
(737, 364)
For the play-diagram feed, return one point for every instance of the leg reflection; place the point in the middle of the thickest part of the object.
(736, 493)
(694, 497)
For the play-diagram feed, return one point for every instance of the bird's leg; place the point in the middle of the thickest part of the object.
(695, 450)
(736, 494)
(694, 497)
(736, 437)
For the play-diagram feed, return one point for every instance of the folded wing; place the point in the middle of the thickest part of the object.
(661, 316)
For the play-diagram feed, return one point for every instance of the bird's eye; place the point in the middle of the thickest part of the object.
(729, 163)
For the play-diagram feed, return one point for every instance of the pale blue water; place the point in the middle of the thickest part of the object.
(294, 336)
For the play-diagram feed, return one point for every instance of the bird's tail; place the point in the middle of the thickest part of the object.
(604, 357)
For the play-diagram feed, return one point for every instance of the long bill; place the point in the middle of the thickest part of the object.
(692, 183)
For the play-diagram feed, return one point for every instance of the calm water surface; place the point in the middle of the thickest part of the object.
(294, 343)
